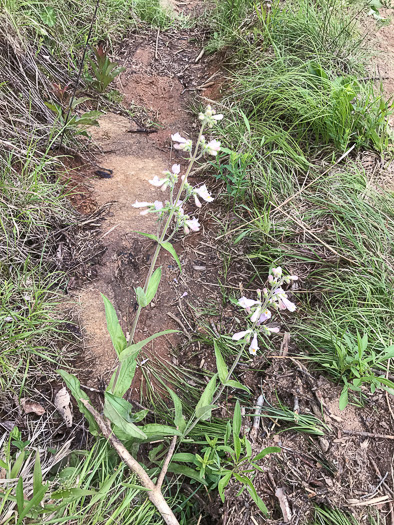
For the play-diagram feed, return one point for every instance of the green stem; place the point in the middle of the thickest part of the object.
(236, 361)
(164, 232)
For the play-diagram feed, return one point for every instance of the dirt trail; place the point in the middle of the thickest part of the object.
(155, 90)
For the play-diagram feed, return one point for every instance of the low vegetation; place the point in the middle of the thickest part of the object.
(300, 112)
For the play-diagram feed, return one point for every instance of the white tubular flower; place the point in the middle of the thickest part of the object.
(290, 278)
(141, 204)
(247, 303)
(176, 168)
(178, 138)
(158, 182)
(150, 206)
(269, 330)
(265, 315)
(183, 144)
(213, 147)
(196, 201)
(254, 345)
(277, 272)
(284, 303)
(203, 192)
(241, 335)
(193, 224)
(256, 315)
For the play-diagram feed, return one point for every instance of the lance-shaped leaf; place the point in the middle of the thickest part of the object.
(115, 331)
(153, 285)
(121, 380)
(206, 400)
(169, 247)
(117, 410)
(135, 348)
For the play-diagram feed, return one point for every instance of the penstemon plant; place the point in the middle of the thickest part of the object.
(118, 423)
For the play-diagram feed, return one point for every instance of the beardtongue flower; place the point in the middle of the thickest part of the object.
(265, 315)
(254, 346)
(241, 335)
(151, 206)
(269, 330)
(202, 192)
(283, 301)
(277, 272)
(158, 182)
(213, 147)
(193, 224)
(183, 144)
(247, 303)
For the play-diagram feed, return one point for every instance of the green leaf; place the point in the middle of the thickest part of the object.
(179, 419)
(132, 351)
(266, 451)
(37, 474)
(201, 411)
(153, 285)
(237, 422)
(236, 384)
(36, 500)
(220, 364)
(259, 502)
(159, 431)
(186, 471)
(113, 326)
(141, 297)
(117, 410)
(74, 386)
(125, 377)
(223, 484)
(206, 399)
(17, 465)
(248, 447)
(183, 457)
(48, 16)
(169, 247)
(72, 493)
(140, 415)
(344, 398)
(20, 501)
(149, 235)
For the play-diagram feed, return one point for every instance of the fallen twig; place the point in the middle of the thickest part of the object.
(284, 505)
(154, 492)
(367, 434)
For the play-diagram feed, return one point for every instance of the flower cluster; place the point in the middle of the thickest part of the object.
(258, 310)
(173, 207)
(209, 116)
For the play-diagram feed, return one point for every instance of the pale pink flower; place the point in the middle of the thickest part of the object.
(268, 330)
(240, 335)
(176, 168)
(141, 204)
(178, 138)
(284, 304)
(193, 224)
(247, 303)
(158, 205)
(254, 346)
(213, 147)
(264, 316)
(158, 182)
(277, 272)
(256, 315)
(203, 192)
(218, 117)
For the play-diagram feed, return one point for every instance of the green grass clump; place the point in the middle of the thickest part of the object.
(300, 99)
